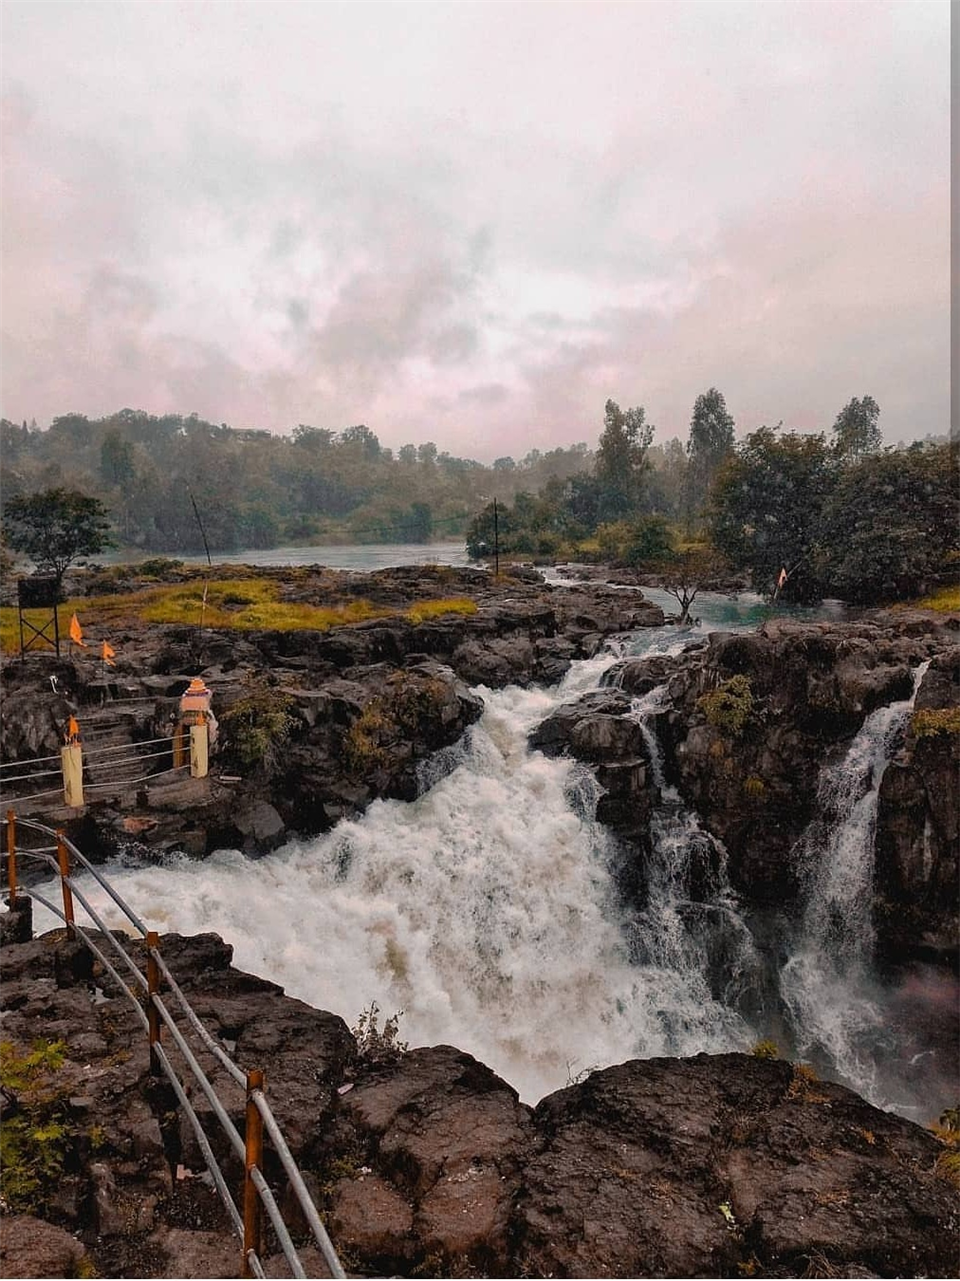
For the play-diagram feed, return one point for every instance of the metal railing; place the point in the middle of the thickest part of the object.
(144, 993)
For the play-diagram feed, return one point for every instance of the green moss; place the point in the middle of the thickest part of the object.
(929, 722)
(729, 707)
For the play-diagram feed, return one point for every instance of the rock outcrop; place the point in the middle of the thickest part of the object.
(426, 1163)
(746, 723)
(365, 704)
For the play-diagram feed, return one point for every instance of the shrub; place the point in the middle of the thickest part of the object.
(929, 721)
(755, 788)
(257, 725)
(362, 750)
(376, 1044)
(35, 1141)
(158, 567)
(766, 1050)
(729, 707)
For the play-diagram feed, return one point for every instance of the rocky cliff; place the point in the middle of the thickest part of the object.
(426, 1163)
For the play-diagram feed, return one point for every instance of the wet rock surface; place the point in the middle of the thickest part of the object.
(427, 1163)
(754, 785)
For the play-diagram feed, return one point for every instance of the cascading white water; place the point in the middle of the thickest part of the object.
(486, 910)
(691, 921)
(827, 984)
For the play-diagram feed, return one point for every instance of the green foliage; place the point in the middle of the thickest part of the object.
(857, 429)
(376, 1044)
(766, 1050)
(36, 1140)
(729, 707)
(621, 460)
(710, 444)
(56, 528)
(257, 725)
(766, 509)
(158, 567)
(889, 523)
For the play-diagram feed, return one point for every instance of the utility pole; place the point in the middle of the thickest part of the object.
(496, 541)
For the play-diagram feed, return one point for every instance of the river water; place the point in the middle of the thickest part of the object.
(487, 909)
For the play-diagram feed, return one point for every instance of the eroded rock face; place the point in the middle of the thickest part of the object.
(427, 1163)
(754, 786)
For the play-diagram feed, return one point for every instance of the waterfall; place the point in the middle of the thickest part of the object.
(827, 983)
(691, 921)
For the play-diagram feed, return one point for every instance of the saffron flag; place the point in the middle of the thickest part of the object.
(73, 730)
(76, 632)
(108, 654)
(783, 576)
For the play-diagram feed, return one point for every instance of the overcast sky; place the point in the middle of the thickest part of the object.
(473, 223)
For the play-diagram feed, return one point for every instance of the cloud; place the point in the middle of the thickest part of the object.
(475, 231)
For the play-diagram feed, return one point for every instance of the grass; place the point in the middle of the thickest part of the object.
(244, 604)
(945, 601)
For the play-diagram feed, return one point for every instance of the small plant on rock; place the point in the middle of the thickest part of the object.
(930, 722)
(729, 707)
(36, 1139)
(376, 1044)
(766, 1050)
(257, 725)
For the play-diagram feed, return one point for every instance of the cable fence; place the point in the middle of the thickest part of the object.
(257, 1202)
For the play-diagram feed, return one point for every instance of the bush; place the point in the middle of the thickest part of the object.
(158, 567)
(35, 1141)
(256, 726)
(729, 707)
(376, 1044)
(766, 1050)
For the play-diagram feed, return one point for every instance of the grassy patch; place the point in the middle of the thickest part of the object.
(246, 604)
(945, 601)
(930, 721)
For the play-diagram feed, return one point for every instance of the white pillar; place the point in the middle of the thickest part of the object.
(199, 751)
(71, 758)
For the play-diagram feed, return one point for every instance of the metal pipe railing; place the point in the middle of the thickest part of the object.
(258, 1195)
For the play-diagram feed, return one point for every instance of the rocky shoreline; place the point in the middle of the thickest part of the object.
(426, 1163)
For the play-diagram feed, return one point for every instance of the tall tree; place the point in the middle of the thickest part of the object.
(766, 509)
(56, 528)
(709, 446)
(621, 460)
(857, 429)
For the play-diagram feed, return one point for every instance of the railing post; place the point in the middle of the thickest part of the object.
(153, 987)
(11, 857)
(71, 759)
(252, 1207)
(63, 859)
(199, 751)
(179, 751)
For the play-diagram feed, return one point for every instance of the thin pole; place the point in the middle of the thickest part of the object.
(252, 1209)
(12, 856)
(496, 540)
(63, 859)
(153, 988)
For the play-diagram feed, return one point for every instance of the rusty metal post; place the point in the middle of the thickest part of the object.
(153, 987)
(252, 1207)
(11, 857)
(179, 746)
(63, 858)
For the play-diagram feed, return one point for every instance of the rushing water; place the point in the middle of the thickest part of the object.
(487, 910)
(827, 983)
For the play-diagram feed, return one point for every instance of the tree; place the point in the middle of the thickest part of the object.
(685, 574)
(116, 459)
(621, 460)
(56, 528)
(891, 524)
(857, 429)
(766, 509)
(710, 444)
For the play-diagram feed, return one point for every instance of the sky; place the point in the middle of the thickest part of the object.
(474, 223)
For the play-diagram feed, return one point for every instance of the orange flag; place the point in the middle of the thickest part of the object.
(108, 654)
(76, 632)
(73, 730)
(783, 576)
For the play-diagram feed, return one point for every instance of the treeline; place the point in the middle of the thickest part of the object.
(841, 515)
(256, 489)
